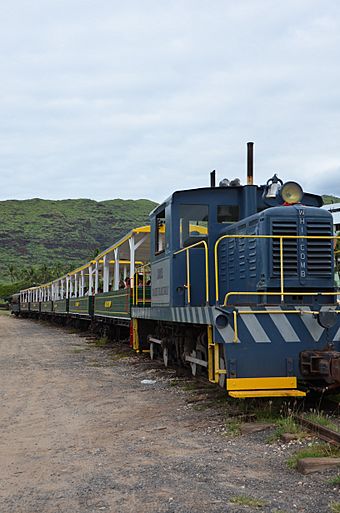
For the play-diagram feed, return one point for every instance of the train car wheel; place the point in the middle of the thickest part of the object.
(166, 356)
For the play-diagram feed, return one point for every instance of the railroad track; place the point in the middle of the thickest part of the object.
(330, 436)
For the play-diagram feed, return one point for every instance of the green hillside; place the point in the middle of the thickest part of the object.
(62, 233)
(330, 199)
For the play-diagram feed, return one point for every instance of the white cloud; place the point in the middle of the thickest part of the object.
(105, 99)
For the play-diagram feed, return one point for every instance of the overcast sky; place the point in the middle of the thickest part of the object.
(104, 98)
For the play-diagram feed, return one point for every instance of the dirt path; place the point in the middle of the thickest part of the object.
(79, 433)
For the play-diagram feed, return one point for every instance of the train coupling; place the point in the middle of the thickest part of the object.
(324, 365)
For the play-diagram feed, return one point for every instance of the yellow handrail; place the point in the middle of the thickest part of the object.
(187, 254)
(135, 293)
(298, 293)
(188, 285)
(281, 238)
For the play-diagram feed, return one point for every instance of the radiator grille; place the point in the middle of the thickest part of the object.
(319, 251)
(290, 260)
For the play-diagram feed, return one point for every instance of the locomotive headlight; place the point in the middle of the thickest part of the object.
(291, 192)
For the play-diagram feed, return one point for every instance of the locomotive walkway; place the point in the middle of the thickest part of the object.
(80, 433)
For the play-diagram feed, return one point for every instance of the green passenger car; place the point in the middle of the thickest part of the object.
(35, 306)
(46, 306)
(82, 306)
(60, 306)
(117, 303)
(24, 306)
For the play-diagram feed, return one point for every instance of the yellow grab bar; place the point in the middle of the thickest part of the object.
(280, 237)
(299, 293)
(188, 285)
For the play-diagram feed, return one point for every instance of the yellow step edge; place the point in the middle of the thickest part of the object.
(240, 394)
(281, 382)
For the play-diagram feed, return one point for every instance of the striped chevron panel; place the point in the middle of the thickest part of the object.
(188, 314)
(260, 328)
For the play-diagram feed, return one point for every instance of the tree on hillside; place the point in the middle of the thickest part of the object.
(12, 272)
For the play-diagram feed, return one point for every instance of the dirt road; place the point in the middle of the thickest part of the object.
(80, 433)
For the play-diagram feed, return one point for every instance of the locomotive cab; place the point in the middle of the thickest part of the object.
(183, 231)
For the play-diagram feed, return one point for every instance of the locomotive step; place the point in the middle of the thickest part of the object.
(242, 394)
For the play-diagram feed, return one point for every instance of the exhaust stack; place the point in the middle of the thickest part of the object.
(213, 178)
(250, 163)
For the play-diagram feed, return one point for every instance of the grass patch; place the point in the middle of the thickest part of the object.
(119, 356)
(286, 425)
(335, 507)
(233, 427)
(321, 419)
(243, 500)
(101, 342)
(267, 410)
(72, 331)
(188, 387)
(313, 451)
(175, 383)
(335, 481)
(78, 350)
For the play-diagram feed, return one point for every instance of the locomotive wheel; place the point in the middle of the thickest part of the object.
(165, 356)
(192, 364)
(222, 377)
(195, 367)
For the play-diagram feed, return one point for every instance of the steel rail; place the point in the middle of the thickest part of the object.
(326, 434)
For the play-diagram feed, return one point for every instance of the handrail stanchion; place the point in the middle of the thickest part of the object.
(135, 287)
(281, 270)
(188, 275)
(235, 327)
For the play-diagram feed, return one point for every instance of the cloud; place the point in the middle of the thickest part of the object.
(135, 99)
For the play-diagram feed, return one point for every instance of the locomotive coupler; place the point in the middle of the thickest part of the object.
(324, 365)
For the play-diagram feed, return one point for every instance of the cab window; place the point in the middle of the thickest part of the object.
(193, 224)
(228, 213)
(160, 232)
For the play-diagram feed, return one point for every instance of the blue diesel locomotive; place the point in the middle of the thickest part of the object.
(236, 282)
